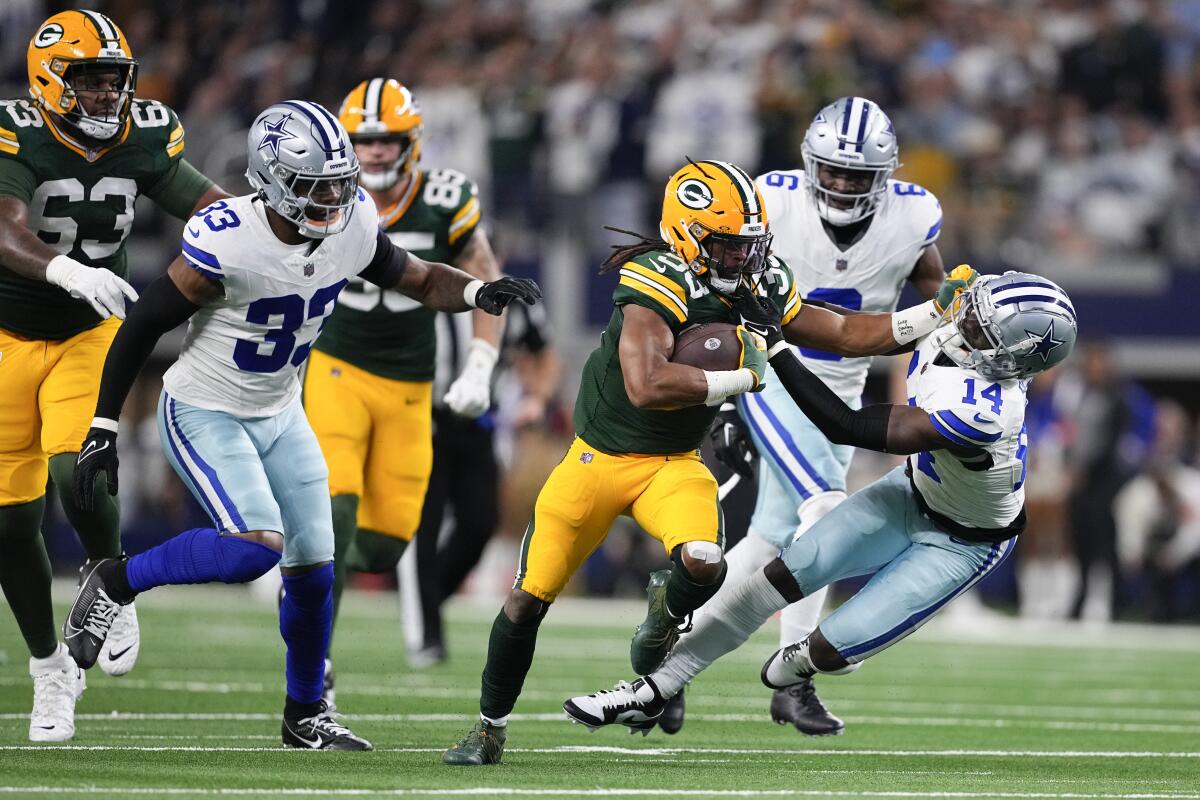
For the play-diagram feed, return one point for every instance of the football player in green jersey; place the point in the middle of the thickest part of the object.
(368, 389)
(73, 159)
(640, 418)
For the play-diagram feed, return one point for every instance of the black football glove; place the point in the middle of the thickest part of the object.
(98, 454)
(730, 442)
(759, 315)
(494, 296)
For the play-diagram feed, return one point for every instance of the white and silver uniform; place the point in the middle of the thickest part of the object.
(229, 415)
(986, 416)
(242, 353)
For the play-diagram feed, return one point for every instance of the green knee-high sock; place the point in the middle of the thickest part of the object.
(374, 552)
(100, 529)
(510, 653)
(25, 575)
(684, 594)
(345, 524)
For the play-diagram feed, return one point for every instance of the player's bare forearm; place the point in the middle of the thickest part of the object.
(847, 335)
(212, 195)
(928, 273)
(478, 260)
(437, 286)
(21, 251)
(651, 380)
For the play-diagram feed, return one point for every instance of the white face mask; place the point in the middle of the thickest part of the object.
(379, 181)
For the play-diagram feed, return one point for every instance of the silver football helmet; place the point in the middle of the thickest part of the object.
(302, 164)
(851, 133)
(1009, 326)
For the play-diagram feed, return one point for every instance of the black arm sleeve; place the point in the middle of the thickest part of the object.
(866, 427)
(388, 264)
(159, 309)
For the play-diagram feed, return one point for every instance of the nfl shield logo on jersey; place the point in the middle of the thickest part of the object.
(841, 264)
(586, 458)
(309, 269)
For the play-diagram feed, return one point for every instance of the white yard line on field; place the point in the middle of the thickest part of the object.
(654, 751)
(508, 791)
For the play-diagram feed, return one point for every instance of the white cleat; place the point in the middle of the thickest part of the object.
(57, 683)
(637, 706)
(120, 649)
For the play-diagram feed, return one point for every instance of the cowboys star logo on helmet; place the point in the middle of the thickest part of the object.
(275, 133)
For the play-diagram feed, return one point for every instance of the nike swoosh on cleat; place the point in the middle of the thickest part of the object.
(314, 744)
(45, 727)
(115, 656)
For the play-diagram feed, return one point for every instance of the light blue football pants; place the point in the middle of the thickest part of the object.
(918, 568)
(260, 474)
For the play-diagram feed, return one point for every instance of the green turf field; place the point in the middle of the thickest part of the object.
(975, 713)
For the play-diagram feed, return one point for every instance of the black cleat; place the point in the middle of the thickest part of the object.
(321, 732)
(671, 720)
(483, 744)
(92, 613)
(800, 706)
(654, 638)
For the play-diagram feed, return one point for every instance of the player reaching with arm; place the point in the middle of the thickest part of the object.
(929, 530)
(256, 279)
(858, 236)
(640, 418)
(368, 387)
(73, 160)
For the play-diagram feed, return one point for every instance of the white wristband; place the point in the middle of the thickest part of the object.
(60, 269)
(725, 383)
(470, 291)
(777, 348)
(913, 323)
(105, 423)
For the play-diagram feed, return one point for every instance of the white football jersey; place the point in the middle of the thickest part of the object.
(867, 276)
(242, 353)
(987, 491)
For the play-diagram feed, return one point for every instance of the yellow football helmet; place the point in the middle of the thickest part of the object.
(714, 219)
(382, 108)
(75, 51)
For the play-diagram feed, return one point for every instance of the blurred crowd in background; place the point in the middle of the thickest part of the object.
(1061, 136)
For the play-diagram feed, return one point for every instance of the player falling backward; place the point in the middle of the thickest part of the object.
(928, 530)
(853, 237)
(256, 279)
(640, 418)
(74, 158)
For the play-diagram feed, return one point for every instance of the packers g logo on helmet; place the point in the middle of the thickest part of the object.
(76, 47)
(714, 219)
(383, 109)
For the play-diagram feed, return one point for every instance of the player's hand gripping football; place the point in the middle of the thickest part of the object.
(730, 442)
(98, 454)
(954, 284)
(493, 296)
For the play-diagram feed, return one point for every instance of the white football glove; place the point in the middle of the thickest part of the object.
(471, 393)
(104, 291)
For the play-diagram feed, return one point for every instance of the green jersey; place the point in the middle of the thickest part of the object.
(81, 202)
(381, 330)
(661, 281)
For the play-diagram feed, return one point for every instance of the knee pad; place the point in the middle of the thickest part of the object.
(814, 508)
(704, 552)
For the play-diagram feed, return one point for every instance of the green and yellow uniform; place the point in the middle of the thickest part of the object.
(630, 460)
(368, 390)
(81, 203)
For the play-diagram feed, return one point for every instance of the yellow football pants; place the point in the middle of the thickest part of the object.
(47, 400)
(377, 438)
(674, 498)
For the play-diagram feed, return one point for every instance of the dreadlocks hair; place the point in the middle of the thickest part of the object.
(628, 252)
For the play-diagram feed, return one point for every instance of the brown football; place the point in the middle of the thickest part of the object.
(709, 345)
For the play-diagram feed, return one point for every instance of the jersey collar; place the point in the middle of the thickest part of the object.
(392, 214)
(78, 149)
